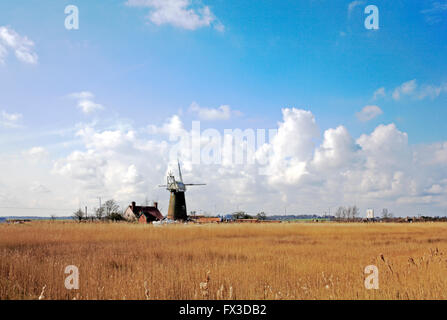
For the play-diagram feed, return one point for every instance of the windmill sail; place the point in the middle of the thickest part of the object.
(179, 171)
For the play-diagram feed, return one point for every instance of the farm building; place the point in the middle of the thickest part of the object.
(247, 220)
(203, 219)
(143, 214)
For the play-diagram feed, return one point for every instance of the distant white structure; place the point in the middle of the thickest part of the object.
(370, 214)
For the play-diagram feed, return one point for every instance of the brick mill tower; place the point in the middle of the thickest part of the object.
(177, 202)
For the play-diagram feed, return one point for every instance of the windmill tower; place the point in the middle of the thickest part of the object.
(177, 202)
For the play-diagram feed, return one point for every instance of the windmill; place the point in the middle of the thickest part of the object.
(177, 202)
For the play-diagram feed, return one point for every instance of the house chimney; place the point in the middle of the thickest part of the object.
(156, 204)
(133, 206)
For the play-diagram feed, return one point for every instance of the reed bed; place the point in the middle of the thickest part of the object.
(224, 261)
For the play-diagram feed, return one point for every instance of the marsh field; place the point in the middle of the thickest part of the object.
(224, 261)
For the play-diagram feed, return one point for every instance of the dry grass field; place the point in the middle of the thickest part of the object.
(256, 261)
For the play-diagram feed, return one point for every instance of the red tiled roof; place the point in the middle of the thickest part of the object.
(148, 212)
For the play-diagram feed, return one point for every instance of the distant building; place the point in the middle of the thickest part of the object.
(370, 214)
(203, 219)
(247, 220)
(143, 214)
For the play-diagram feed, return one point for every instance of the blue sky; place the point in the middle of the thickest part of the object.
(257, 57)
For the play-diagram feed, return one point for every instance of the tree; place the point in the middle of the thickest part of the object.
(53, 217)
(339, 212)
(79, 215)
(100, 213)
(386, 214)
(261, 216)
(348, 212)
(111, 208)
(116, 216)
(354, 212)
(241, 215)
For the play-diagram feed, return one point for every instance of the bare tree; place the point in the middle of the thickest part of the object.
(386, 214)
(339, 213)
(110, 207)
(345, 213)
(79, 215)
(349, 212)
(100, 213)
(112, 211)
(354, 212)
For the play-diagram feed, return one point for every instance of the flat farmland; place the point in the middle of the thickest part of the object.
(223, 261)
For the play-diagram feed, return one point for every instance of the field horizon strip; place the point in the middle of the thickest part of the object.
(296, 261)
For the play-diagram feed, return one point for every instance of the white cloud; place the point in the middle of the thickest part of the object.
(436, 189)
(36, 153)
(352, 5)
(435, 14)
(368, 113)
(406, 88)
(337, 150)
(173, 126)
(179, 13)
(420, 92)
(378, 169)
(431, 91)
(379, 93)
(10, 120)
(116, 163)
(85, 102)
(39, 188)
(20, 45)
(223, 112)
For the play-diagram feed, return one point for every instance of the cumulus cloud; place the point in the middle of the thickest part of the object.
(36, 153)
(337, 150)
(172, 126)
(378, 169)
(368, 113)
(115, 162)
(179, 13)
(223, 112)
(10, 120)
(22, 47)
(406, 88)
(85, 102)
